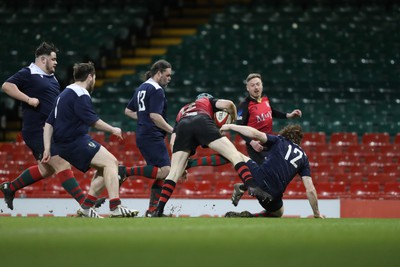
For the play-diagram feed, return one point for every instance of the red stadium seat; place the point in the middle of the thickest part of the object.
(364, 190)
(382, 178)
(376, 159)
(331, 190)
(392, 168)
(98, 136)
(195, 188)
(224, 188)
(344, 138)
(344, 158)
(397, 139)
(295, 189)
(133, 188)
(391, 190)
(348, 178)
(323, 167)
(313, 138)
(358, 150)
(375, 139)
(321, 177)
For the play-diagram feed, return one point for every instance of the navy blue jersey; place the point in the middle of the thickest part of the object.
(73, 114)
(36, 83)
(284, 161)
(148, 98)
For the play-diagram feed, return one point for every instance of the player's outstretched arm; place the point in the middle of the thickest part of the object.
(246, 131)
(312, 196)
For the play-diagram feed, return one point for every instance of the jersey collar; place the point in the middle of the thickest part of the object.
(36, 70)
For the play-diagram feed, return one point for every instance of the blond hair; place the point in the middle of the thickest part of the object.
(252, 76)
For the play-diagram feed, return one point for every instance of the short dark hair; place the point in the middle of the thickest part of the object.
(293, 132)
(160, 65)
(45, 49)
(82, 71)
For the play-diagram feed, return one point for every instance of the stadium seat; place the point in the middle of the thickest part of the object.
(331, 190)
(344, 138)
(397, 139)
(382, 178)
(133, 188)
(224, 188)
(295, 190)
(375, 139)
(344, 159)
(313, 138)
(391, 190)
(197, 189)
(321, 177)
(364, 190)
(392, 168)
(348, 178)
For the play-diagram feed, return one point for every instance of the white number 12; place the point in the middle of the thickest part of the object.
(295, 151)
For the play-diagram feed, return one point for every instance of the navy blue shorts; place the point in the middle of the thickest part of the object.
(155, 153)
(262, 180)
(79, 152)
(36, 145)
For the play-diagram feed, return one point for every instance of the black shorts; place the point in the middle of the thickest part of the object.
(193, 131)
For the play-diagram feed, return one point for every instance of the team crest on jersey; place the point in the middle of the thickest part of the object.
(92, 145)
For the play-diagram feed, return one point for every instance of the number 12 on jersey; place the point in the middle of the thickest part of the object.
(295, 151)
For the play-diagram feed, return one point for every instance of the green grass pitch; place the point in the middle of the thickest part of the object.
(59, 242)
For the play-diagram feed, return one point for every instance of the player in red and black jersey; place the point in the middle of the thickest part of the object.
(195, 127)
(255, 111)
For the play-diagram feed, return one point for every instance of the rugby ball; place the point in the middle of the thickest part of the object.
(221, 118)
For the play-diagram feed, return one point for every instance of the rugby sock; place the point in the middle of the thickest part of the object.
(245, 174)
(166, 193)
(114, 203)
(212, 160)
(146, 171)
(88, 202)
(70, 184)
(155, 194)
(27, 177)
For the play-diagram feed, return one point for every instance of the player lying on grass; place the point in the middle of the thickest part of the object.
(284, 161)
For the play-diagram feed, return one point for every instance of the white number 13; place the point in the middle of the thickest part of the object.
(140, 99)
(295, 151)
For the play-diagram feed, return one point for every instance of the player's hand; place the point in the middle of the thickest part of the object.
(118, 132)
(46, 156)
(319, 216)
(32, 101)
(256, 145)
(295, 114)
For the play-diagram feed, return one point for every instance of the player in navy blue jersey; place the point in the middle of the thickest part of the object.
(195, 126)
(285, 160)
(68, 125)
(37, 88)
(149, 107)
